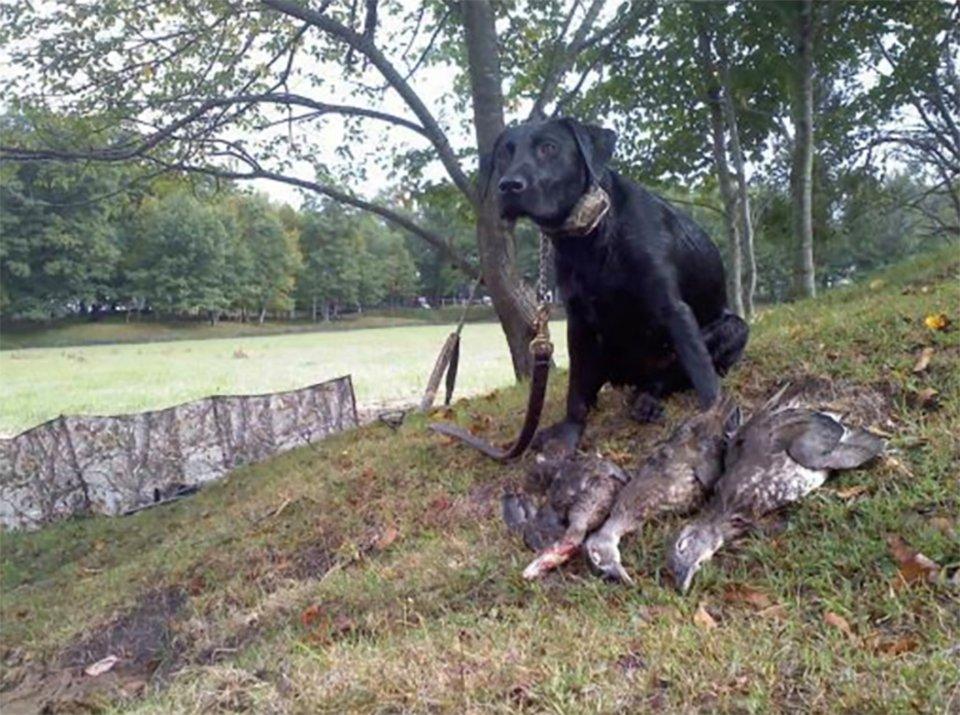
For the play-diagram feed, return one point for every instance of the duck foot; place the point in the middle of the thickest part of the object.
(550, 558)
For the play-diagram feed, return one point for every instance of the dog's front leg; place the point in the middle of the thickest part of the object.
(688, 343)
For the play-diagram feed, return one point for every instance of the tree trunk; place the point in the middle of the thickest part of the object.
(747, 255)
(718, 131)
(326, 311)
(263, 314)
(804, 277)
(513, 301)
(313, 310)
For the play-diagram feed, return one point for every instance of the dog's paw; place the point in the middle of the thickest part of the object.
(558, 441)
(646, 409)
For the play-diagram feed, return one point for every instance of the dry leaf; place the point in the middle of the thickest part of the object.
(944, 525)
(903, 644)
(876, 284)
(923, 361)
(839, 622)
(310, 615)
(851, 492)
(388, 536)
(744, 594)
(101, 666)
(703, 618)
(937, 321)
(913, 565)
(927, 397)
(777, 610)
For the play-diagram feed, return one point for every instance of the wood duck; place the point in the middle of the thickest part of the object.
(675, 478)
(780, 455)
(583, 491)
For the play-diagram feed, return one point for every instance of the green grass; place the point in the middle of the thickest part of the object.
(297, 599)
(388, 365)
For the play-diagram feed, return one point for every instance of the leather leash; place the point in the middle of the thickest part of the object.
(541, 349)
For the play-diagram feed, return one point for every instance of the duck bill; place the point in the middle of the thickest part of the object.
(618, 574)
(682, 578)
(550, 558)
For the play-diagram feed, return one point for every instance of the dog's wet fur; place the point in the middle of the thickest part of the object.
(644, 291)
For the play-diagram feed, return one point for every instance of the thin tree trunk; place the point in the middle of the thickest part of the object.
(263, 314)
(804, 276)
(748, 257)
(513, 301)
(313, 310)
(718, 132)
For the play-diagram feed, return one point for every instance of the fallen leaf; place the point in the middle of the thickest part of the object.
(876, 284)
(895, 463)
(440, 503)
(744, 594)
(310, 615)
(944, 525)
(898, 646)
(923, 361)
(913, 566)
(851, 492)
(101, 666)
(388, 536)
(837, 621)
(937, 321)
(777, 610)
(703, 618)
(927, 397)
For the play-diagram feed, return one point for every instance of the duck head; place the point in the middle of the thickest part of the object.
(604, 555)
(693, 547)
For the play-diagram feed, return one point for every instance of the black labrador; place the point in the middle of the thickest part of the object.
(643, 285)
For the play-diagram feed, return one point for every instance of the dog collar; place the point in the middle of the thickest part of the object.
(585, 215)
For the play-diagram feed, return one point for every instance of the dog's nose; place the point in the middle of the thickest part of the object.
(511, 185)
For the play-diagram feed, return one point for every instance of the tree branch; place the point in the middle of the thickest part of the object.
(568, 55)
(365, 46)
(433, 239)
(132, 150)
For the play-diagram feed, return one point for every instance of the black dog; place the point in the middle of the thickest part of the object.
(643, 285)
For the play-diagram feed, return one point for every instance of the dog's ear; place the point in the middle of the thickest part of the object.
(595, 143)
(488, 163)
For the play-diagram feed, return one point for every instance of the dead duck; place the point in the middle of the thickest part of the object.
(675, 478)
(583, 490)
(780, 455)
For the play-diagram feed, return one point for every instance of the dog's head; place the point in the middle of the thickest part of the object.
(541, 169)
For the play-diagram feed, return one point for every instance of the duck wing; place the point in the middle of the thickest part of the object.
(824, 443)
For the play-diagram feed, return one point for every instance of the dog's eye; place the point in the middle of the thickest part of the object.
(545, 149)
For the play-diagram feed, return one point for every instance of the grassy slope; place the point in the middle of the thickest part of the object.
(388, 365)
(439, 618)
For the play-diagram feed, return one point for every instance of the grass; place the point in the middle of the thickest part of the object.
(372, 574)
(388, 365)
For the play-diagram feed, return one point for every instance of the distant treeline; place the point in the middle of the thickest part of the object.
(100, 238)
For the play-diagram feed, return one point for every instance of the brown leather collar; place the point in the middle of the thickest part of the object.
(585, 215)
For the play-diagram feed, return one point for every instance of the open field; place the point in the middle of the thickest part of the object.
(389, 366)
(372, 573)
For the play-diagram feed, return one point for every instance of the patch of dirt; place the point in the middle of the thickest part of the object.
(142, 638)
(144, 641)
